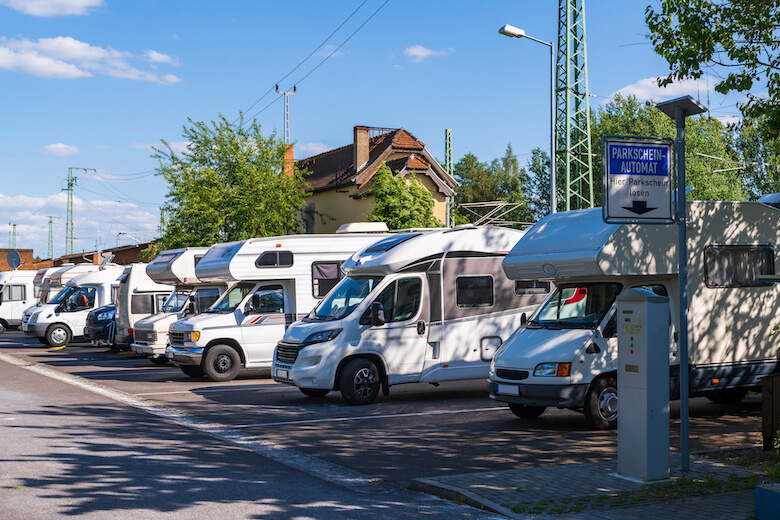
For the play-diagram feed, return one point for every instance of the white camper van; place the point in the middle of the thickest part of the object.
(278, 280)
(16, 294)
(566, 355)
(177, 267)
(64, 318)
(40, 279)
(417, 307)
(139, 297)
(51, 285)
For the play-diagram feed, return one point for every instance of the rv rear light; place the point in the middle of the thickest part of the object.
(321, 336)
(195, 335)
(715, 381)
(552, 370)
(129, 332)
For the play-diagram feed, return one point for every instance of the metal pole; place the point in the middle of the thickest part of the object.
(682, 247)
(553, 199)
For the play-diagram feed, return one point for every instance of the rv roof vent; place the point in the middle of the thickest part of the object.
(771, 199)
(363, 227)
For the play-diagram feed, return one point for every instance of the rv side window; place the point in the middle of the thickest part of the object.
(737, 265)
(324, 277)
(5, 293)
(401, 299)
(275, 259)
(523, 287)
(205, 298)
(271, 300)
(474, 291)
(142, 304)
(18, 293)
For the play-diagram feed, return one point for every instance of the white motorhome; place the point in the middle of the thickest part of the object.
(16, 293)
(566, 354)
(65, 316)
(278, 280)
(139, 297)
(40, 280)
(417, 307)
(52, 283)
(190, 296)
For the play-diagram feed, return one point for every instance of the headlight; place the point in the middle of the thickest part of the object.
(552, 370)
(34, 318)
(321, 336)
(195, 335)
(105, 316)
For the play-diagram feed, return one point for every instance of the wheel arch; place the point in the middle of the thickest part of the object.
(230, 342)
(377, 359)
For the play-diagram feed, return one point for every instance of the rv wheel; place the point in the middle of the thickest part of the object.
(314, 392)
(3, 326)
(221, 363)
(57, 335)
(527, 412)
(192, 370)
(727, 395)
(359, 382)
(159, 360)
(601, 404)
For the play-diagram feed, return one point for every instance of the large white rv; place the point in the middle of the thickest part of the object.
(566, 354)
(40, 280)
(139, 297)
(277, 280)
(16, 294)
(190, 296)
(417, 307)
(65, 316)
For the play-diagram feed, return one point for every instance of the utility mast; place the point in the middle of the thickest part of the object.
(573, 149)
(12, 236)
(448, 169)
(287, 111)
(51, 237)
(69, 214)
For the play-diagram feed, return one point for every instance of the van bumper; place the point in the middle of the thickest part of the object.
(184, 356)
(149, 349)
(560, 396)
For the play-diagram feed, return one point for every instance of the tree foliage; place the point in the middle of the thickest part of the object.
(759, 159)
(228, 185)
(401, 202)
(735, 38)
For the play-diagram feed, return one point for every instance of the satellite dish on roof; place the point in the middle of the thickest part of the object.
(13, 258)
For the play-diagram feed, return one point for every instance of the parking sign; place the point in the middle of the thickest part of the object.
(637, 180)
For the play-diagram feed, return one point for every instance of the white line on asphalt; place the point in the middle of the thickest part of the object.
(234, 388)
(87, 361)
(366, 417)
(114, 373)
(292, 458)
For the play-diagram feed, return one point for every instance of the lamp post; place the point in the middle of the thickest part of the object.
(514, 32)
(678, 109)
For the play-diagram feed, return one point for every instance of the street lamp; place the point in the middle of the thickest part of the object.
(514, 32)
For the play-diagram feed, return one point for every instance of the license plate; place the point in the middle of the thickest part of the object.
(281, 373)
(507, 389)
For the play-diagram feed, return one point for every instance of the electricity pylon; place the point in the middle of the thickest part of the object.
(51, 236)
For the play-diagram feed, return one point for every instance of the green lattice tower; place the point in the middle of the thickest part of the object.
(13, 236)
(50, 250)
(572, 118)
(69, 217)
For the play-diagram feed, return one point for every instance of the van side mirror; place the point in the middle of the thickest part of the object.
(523, 319)
(377, 314)
(190, 308)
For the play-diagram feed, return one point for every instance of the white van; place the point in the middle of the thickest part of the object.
(190, 296)
(566, 354)
(139, 297)
(52, 283)
(417, 307)
(64, 318)
(278, 280)
(16, 294)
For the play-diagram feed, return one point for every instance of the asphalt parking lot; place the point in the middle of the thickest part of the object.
(418, 431)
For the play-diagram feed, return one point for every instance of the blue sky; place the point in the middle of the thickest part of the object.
(95, 83)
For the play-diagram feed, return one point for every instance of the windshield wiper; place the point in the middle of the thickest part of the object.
(535, 324)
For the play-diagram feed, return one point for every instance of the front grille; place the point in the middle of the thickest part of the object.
(177, 338)
(515, 375)
(287, 353)
(145, 336)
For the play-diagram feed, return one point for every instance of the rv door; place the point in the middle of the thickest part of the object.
(265, 321)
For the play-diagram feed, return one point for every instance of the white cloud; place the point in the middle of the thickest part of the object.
(179, 147)
(648, 90)
(142, 146)
(729, 120)
(58, 150)
(53, 7)
(418, 53)
(309, 149)
(64, 57)
(102, 147)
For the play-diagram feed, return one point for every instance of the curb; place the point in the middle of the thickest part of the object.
(448, 492)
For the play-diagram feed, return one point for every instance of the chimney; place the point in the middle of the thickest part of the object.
(360, 148)
(288, 168)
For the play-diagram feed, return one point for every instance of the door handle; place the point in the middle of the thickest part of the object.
(420, 328)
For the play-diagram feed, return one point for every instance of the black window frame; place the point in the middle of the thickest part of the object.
(315, 292)
(458, 299)
(278, 259)
(734, 281)
(537, 287)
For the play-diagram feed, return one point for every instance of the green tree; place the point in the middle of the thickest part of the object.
(401, 202)
(735, 39)
(539, 185)
(227, 185)
(759, 157)
(627, 116)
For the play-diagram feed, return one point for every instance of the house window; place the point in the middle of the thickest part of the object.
(324, 276)
(474, 291)
(275, 259)
(737, 265)
(523, 287)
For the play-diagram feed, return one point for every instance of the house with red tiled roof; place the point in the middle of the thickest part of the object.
(340, 179)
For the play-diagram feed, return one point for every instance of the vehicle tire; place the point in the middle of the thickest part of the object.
(3, 326)
(192, 370)
(601, 404)
(314, 392)
(221, 363)
(159, 360)
(57, 335)
(359, 382)
(527, 412)
(727, 395)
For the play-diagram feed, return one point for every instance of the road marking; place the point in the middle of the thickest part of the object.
(116, 373)
(328, 471)
(366, 417)
(88, 361)
(234, 388)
